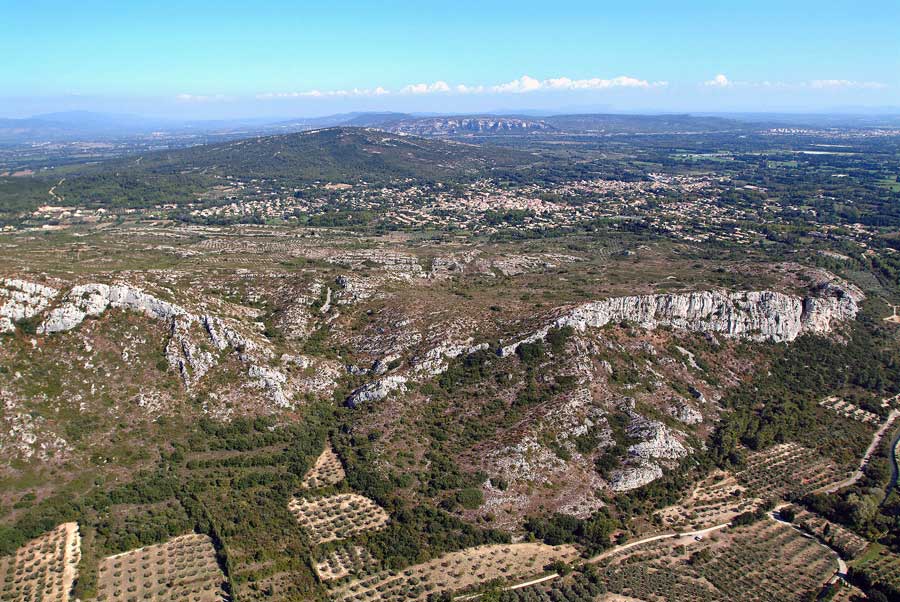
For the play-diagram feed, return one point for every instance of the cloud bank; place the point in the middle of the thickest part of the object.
(722, 81)
(522, 85)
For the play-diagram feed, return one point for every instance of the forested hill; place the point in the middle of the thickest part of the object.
(333, 154)
(337, 155)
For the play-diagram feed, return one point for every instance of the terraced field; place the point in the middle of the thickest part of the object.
(787, 468)
(182, 569)
(764, 562)
(715, 500)
(345, 561)
(327, 471)
(337, 516)
(43, 569)
(457, 571)
(838, 537)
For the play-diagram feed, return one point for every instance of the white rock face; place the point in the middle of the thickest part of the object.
(272, 381)
(434, 361)
(528, 461)
(93, 299)
(183, 351)
(753, 315)
(635, 476)
(376, 391)
(657, 440)
(20, 300)
(685, 413)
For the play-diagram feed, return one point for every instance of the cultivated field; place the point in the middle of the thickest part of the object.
(457, 571)
(337, 516)
(849, 410)
(715, 500)
(848, 542)
(345, 561)
(182, 569)
(43, 569)
(882, 566)
(764, 562)
(787, 468)
(326, 471)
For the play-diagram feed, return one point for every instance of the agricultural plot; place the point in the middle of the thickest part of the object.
(849, 410)
(715, 500)
(44, 568)
(881, 566)
(346, 561)
(457, 571)
(764, 562)
(838, 537)
(182, 569)
(784, 468)
(337, 516)
(769, 561)
(326, 471)
(847, 593)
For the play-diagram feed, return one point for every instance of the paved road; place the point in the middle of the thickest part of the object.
(876, 440)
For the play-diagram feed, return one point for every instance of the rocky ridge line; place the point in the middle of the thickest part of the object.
(751, 315)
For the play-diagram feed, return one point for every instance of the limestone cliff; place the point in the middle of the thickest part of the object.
(753, 315)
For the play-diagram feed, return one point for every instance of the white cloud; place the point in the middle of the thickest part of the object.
(517, 86)
(523, 84)
(379, 91)
(719, 81)
(202, 98)
(436, 87)
(530, 84)
(464, 89)
(838, 84)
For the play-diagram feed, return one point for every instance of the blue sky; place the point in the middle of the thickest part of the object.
(289, 58)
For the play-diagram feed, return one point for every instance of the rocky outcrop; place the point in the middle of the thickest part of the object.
(656, 440)
(21, 300)
(93, 299)
(655, 443)
(753, 315)
(434, 361)
(685, 413)
(189, 333)
(272, 381)
(634, 476)
(398, 265)
(376, 391)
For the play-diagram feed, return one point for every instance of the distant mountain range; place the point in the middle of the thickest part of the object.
(88, 126)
